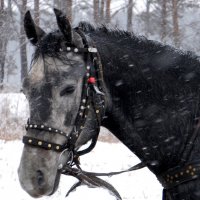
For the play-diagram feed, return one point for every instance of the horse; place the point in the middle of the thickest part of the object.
(144, 92)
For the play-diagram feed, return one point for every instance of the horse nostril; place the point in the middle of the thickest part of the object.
(40, 177)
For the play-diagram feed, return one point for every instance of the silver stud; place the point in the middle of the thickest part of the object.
(84, 100)
(75, 50)
(87, 74)
(56, 130)
(40, 143)
(61, 132)
(88, 67)
(35, 126)
(49, 145)
(49, 129)
(60, 166)
(68, 48)
(57, 147)
(97, 111)
(82, 107)
(30, 141)
(92, 50)
(88, 106)
(30, 126)
(42, 126)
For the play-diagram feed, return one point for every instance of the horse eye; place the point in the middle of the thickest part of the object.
(68, 90)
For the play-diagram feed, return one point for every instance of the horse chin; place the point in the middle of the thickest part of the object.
(56, 184)
(38, 176)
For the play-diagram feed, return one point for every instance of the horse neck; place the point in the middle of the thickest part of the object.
(120, 78)
(147, 113)
(152, 112)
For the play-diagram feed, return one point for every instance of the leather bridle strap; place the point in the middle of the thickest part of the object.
(43, 144)
(186, 170)
(180, 174)
(92, 98)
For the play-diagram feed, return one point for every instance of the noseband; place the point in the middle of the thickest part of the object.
(93, 97)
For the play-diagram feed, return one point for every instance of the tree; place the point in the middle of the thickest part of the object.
(102, 9)
(69, 9)
(57, 4)
(176, 31)
(23, 52)
(96, 10)
(3, 43)
(147, 17)
(37, 12)
(163, 20)
(108, 12)
(130, 16)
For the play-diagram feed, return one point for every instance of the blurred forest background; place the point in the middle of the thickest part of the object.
(174, 22)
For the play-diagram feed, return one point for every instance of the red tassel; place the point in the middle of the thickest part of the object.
(92, 80)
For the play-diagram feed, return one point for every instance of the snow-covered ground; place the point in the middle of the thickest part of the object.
(139, 185)
(106, 157)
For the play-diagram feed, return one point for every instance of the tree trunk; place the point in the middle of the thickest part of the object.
(23, 54)
(164, 21)
(147, 17)
(1, 4)
(102, 17)
(176, 32)
(37, 12)
(69, 9)
(10, 7)
(96, 10)
(2, 45)
(57, 4)
(108, 18)
(130, 16)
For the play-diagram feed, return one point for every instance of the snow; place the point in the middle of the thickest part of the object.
(106, 157)
(140, 185)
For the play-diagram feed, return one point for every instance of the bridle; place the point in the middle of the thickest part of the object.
(93, 97)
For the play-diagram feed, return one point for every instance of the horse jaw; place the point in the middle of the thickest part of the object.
(38, 174)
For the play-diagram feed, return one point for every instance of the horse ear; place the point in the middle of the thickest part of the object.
(33, 32)
(64, 25)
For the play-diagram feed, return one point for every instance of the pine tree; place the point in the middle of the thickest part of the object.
(23, 52)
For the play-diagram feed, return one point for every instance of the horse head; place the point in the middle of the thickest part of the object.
(63, 116)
